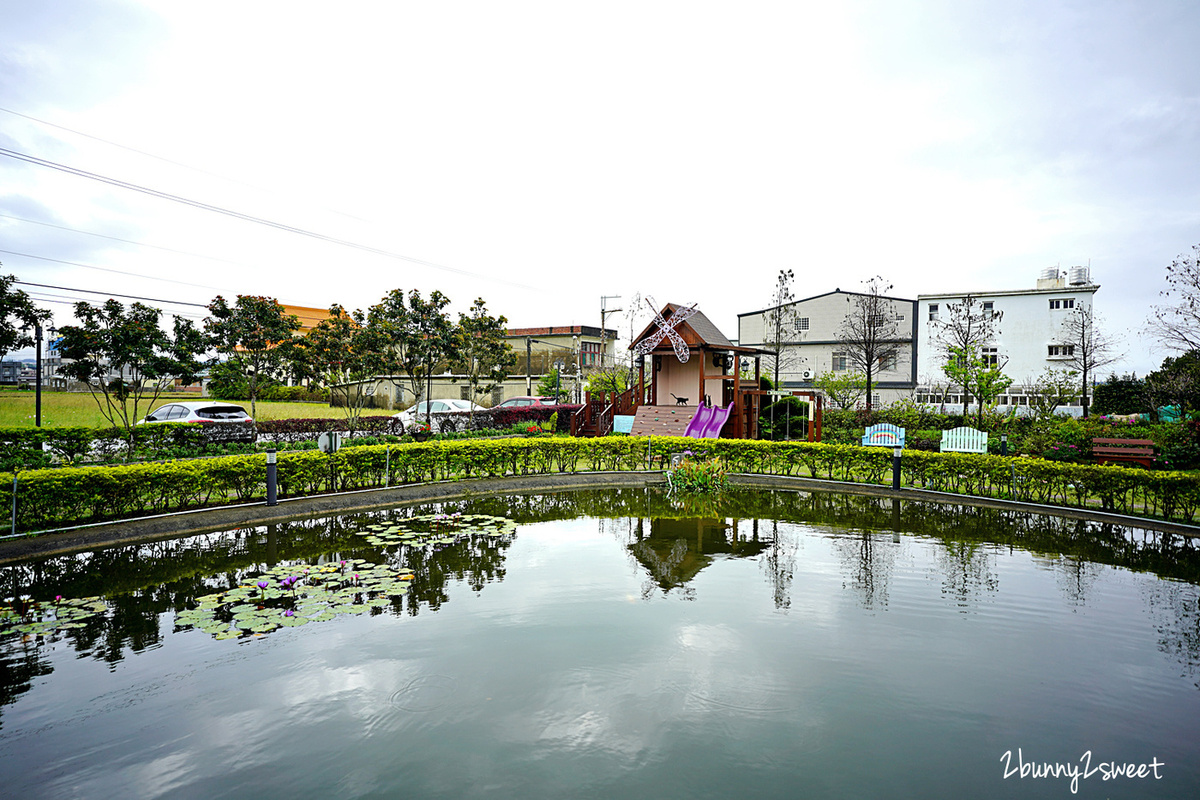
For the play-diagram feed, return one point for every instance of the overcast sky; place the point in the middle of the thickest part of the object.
(540, 155)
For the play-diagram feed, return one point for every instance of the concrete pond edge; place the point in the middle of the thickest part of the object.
(205, 520)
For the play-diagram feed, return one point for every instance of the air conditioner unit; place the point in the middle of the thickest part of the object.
(807, 375)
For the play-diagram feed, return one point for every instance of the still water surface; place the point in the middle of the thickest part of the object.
(617, 645)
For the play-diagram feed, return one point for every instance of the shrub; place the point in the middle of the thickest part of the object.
(699, 476)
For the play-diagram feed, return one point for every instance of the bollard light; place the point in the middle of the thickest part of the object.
(896, 468)
(1004, 444)
(272, 497)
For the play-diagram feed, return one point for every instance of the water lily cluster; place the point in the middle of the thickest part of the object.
(291, 595)
(30, 617)
(437, 529)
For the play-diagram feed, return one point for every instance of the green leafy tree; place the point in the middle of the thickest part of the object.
(1177, 383)
(342, 351)
(551, 385)
(481, 353)
(126, 359)
(978, 376)
(1051, 389)
(844, 389)
(414, 335)
(1126, 394)
(249, 333)
(17, 312)
(965, 328)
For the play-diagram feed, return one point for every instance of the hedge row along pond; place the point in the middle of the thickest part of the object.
(55, 497)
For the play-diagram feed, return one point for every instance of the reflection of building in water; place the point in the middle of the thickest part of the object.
(675, 550)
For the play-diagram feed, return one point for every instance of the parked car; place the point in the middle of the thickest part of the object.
(197, 411)
(518, 402)
(446, 413)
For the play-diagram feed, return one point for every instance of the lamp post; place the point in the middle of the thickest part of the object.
(37, 335)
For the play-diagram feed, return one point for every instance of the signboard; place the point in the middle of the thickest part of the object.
(622, 423)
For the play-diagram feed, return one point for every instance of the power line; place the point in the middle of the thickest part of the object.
(239, 215)
(163, 159)
(113, 294)
(106, 269)
(126, 241)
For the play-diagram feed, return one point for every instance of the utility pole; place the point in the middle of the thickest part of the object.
(604, 312)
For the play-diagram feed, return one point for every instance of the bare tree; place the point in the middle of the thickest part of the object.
(869, 332)
(967, 326)
(779, 325)
(1089, 346)
(1178, 326)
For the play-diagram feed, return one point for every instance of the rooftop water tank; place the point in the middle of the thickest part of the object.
(1078, 276)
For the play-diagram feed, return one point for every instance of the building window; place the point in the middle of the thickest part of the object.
(1061, 350)
(989, 307)
(464, 392)
(887, 363)
(1060, 303)
(801, 323)
(990, 356)
(589, 353)
(839, 362)
(933, 312)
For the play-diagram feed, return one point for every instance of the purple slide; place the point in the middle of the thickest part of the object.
(708, 422)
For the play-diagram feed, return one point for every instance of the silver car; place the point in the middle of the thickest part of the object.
(447, 414)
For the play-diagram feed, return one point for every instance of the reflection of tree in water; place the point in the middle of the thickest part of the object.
(1074, 577)
(1175, 610)
(869, 559)
(966, 569)
(476, 560)
(20, 662)
(674, 550)
(779, 561)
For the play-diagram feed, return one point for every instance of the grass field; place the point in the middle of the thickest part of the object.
(62, 409)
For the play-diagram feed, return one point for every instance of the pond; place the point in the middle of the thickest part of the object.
(615, 644)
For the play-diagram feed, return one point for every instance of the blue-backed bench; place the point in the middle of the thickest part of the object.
(884, 434)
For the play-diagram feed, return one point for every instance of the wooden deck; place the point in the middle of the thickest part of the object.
(662, 420)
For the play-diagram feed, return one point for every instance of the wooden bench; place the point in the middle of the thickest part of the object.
(1127, 451)
(964, 440)
(883, 435)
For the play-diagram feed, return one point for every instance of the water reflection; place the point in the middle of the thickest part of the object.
(672, 542)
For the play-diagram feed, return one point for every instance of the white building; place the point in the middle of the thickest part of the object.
(811, 346)
(1029, 334)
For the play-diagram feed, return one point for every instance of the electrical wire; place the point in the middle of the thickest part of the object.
(126, 241)
(106, 269)
(241, 216)
(112, 294)
(166, 160)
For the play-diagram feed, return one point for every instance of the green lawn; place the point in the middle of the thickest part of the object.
(62, 409)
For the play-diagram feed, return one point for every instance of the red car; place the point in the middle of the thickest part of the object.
(519, 402)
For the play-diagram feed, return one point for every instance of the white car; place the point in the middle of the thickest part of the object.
(447, 414)
(197, 411)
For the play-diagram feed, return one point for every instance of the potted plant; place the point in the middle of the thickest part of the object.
(421, 431)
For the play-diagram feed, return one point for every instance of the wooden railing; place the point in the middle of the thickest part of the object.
(599, 408)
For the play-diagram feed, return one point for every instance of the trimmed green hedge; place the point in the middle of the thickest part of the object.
(50, 498)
